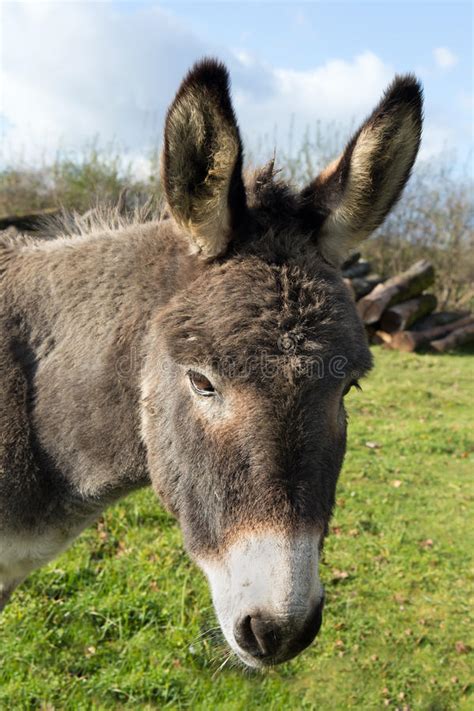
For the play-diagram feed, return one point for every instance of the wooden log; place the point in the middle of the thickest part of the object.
(456, 338)
(397, 289)
(348, 283)
(359, 269)
(409, 341)
(439, 318)
(364, 285)
(27, 223)
(401, 316)
(382, 338)
(350, 261)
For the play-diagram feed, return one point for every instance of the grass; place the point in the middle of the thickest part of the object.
(117, 621)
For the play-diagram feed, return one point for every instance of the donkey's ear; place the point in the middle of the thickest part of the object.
(202, 160)
(355, 192)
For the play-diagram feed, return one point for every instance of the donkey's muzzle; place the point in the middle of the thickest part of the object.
(272, 641)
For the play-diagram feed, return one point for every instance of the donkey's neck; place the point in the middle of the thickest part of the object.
(85, 306)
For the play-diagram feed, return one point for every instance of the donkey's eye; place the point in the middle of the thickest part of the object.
(349, 386)
(200, 384)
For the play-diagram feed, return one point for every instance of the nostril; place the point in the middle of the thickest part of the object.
(245, 637)
(267, 635)
(257, 635)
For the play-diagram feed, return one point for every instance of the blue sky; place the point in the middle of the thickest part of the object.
(75, 70)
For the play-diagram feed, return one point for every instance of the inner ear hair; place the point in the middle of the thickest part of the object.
(202, 160)
(357, 190)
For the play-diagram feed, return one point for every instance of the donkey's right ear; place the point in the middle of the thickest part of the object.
(202, 160)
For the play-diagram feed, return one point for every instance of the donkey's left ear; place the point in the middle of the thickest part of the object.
(354, 193)
(202, 160)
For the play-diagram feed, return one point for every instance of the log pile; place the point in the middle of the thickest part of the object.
(399, 313)
(30, 222)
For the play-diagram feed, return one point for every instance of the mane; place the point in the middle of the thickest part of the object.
(103, 218)
(267, 189)
(277, 207)
(278, 204)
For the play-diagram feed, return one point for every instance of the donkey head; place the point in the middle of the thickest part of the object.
(248, 364)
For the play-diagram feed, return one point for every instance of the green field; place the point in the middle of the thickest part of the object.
(122, 620)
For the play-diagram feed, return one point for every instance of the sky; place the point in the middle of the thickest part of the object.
(75, 71)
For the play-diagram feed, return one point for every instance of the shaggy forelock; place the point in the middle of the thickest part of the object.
(246, 307)
(283, 219)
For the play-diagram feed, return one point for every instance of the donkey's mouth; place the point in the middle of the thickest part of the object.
(267, 594)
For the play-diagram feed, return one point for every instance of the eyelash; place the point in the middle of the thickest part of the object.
(353, 384)
(207, 391)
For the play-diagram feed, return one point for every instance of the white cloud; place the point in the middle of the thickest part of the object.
(337, 91)
(300, 19)
(74, 71)
(444, 58)
(436, 139)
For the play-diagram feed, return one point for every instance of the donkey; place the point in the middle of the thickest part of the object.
(206, 353)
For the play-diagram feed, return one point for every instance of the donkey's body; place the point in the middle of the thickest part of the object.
(109, 341)
(73, 313)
